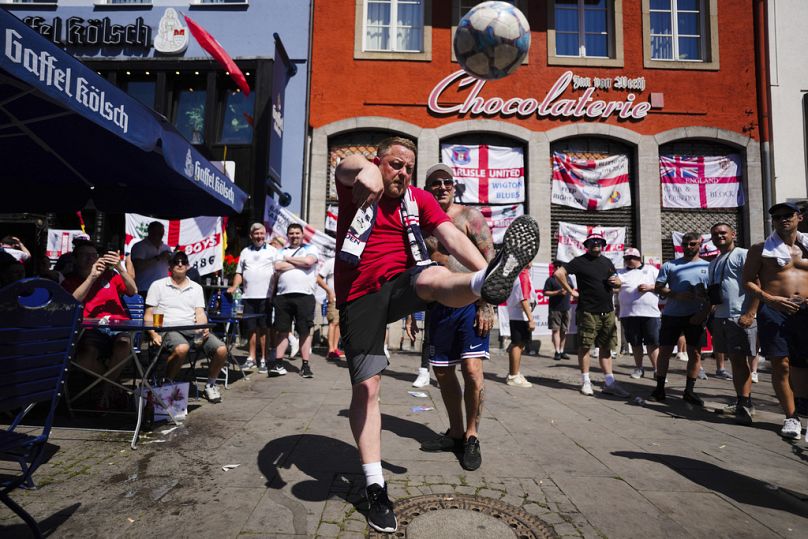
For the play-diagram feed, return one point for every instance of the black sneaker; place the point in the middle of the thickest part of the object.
(657, 395)
(692, 398)
(443, 442)
(380, 509)
(520, 245)
(564, 355)
(472, 458)
(557, 356)
(305, 370)
(743, 414)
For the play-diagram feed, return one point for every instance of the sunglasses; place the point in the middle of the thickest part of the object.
(783, 216)
(693, 243)
(181, 263)
(446, 183)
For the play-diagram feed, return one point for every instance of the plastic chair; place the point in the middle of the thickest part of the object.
(37, 339)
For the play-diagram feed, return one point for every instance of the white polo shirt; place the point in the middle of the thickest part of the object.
(178, 305)
(144, 250)
(298, 280)
(256, 266)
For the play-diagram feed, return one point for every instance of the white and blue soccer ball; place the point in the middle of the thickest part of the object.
(492, 40)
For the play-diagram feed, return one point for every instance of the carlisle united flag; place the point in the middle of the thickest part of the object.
(701, 181)
(591, 184)
(486, 174)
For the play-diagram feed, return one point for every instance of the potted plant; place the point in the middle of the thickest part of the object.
(196, 121)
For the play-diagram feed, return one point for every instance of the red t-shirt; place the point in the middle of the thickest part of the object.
(104, 297)
(387, 252)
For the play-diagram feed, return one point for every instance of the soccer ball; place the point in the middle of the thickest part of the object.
(492, 40)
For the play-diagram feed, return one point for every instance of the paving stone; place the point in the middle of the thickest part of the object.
(328, 530)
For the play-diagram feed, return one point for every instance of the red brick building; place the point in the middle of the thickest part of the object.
(677, 78)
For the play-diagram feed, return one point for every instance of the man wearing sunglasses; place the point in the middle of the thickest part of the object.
(458, 336)
(182, 303)
(776, 272)
(683, 281)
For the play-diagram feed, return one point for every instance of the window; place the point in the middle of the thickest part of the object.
(190, 96)
(393, 30)
(237, 117)
(209, 2)
(680, 34)
(144, 91)
(111, 2)
(394, 25)
(47, 2)
(585, 33)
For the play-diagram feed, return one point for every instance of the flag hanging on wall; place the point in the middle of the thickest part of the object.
(499, 218)
(709, 181)
(571, 239)
(486, 174)
(591, 184)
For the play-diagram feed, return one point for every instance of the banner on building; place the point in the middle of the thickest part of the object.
(277, 219)
(331, 214)
(708, 249)
(60, 242)
(701, 181)
(571, 239)
(500, 217)
(199, 237)
(591, 184)
(486, 174)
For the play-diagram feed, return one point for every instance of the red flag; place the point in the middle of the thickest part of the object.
(209, 43)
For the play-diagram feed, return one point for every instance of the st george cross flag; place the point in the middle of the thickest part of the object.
(278, 219)
(591, 184)
(707, 247)
(500, 217)
(571, 239)
(712, 181)
(486, 174)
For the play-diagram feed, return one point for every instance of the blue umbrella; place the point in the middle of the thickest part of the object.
(69, 139)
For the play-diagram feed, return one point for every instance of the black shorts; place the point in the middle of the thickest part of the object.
(299, 307)
(256, 306)
(641, 330)
(520, 332)
(674, 326)
(363, 321)
(784, 335)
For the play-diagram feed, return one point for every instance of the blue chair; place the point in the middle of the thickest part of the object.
(136, 306)
(37, 339)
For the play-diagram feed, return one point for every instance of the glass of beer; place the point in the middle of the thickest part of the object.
(157, 319)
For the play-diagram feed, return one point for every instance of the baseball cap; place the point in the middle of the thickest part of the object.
(631, 251)
(595, 236)
(439, 167)
(793, 206)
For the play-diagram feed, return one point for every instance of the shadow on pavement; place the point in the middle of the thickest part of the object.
(47, 526)
(738, 487)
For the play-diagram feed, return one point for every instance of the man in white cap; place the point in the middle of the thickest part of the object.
(639, 308)
(597, 280)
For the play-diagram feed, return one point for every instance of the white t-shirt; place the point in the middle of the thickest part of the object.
(298, 280)
(178, 305)
(145, 250)
(522, 289)
(632, 301)
(256, 267)
(20, 256)
(327, 273)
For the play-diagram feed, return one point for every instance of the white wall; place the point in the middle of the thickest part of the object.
(788, 42)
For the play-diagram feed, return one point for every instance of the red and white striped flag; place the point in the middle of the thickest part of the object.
(712, 181)
(486, 174)
(591, 184)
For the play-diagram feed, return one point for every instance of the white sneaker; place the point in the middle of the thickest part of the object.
(616, 389)
(518, 380)
(213, 395)
(791, 428)
(423, 378)
(681, 356)
(248, 365)
(754, 378)
(277, 369)
(637, 374)
(386, 352)
(586, 389)
(262, 368)
(702, 374)
(294, 345)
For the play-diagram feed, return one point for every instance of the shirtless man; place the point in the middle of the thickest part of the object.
(458, 336)
(776, 272)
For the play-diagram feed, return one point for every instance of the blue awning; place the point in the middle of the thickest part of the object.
(69, 139)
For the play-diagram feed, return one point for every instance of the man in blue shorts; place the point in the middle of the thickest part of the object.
(683, 281)
(459, 336)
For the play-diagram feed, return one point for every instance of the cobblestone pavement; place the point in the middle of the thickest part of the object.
(587, 467)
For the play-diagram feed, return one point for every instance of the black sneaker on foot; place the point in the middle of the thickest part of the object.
(443, 442)
(520, 245)
(564, 355)
(692, 398)
(380, 509)
(657, 395)
(743, 414)
(472, 458)
(305, 370)
(557, 356)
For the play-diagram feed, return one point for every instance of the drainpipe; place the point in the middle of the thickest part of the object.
(306, 173)
(764, 105)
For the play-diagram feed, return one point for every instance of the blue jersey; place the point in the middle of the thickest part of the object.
(682, 275)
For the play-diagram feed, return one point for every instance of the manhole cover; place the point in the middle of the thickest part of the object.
(461, 515)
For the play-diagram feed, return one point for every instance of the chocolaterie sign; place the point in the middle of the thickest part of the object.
(553, 104)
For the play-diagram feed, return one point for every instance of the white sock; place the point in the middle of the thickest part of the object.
(422, 370)
(477, 280)
(373, 473)
(609, 379)
(584, 377)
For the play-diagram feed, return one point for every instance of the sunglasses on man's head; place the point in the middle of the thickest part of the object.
(446, 182)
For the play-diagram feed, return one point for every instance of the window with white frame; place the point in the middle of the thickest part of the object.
(209, 2)
(582, 28)
(51, 2)
(677, 30)
(393, 25)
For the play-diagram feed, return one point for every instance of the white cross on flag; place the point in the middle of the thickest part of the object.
(486, 174)
(571, 239)
(712, 181)
(591, 184)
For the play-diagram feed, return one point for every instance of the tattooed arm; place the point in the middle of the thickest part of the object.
(476, 228)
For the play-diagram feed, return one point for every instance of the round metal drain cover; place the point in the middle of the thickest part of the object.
(461, 515)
